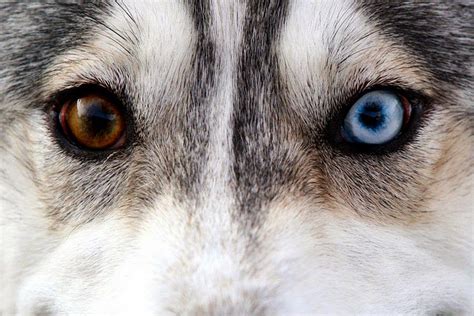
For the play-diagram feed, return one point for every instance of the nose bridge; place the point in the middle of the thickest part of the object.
(260, 132)
(244, 152)
(221, 249)
(226, 32)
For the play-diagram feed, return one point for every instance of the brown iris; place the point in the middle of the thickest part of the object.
(94, 122)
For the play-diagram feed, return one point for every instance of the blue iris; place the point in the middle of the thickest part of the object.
(376, 118)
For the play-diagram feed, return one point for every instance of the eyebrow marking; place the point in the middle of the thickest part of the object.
(338, 58)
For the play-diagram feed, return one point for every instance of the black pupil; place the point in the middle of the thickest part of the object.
(371, 116)
(97, 120)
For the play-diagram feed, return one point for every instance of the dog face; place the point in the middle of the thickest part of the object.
(234, 187)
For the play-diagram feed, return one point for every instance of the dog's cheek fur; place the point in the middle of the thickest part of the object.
(25, 235)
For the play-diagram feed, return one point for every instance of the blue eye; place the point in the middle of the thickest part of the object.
(376, 118)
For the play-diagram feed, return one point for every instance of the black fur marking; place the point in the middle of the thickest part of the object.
(432, 30)
(196, 129)
(257, 164)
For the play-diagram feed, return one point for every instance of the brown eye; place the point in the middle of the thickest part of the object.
(93, 121)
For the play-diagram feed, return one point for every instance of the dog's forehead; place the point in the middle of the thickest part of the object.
(424, 30)
(125, 46)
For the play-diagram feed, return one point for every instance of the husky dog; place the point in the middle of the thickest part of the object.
(236, 158)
